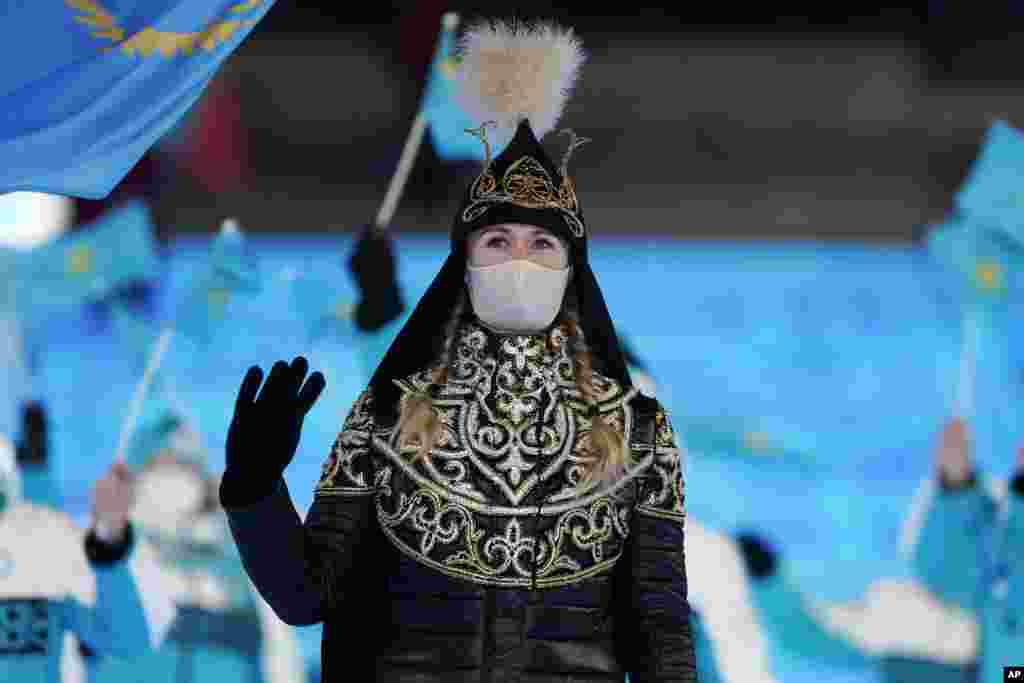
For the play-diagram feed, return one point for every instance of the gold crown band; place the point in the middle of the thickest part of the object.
(526, 183)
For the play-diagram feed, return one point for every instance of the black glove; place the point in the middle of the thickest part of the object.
(265, 431)
(373, 265)
(758, 557)
(32, 445)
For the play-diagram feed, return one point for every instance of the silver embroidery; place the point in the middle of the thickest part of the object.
(514, 429)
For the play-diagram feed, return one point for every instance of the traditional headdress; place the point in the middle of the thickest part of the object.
(514, 80)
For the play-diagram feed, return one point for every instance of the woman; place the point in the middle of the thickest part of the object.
(501, 504)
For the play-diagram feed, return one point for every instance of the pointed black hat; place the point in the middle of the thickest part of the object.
(520, 185)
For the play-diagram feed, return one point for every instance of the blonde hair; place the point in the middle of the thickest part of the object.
(608, 455)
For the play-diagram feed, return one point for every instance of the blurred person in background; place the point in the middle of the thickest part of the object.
(898, 631)
(57, 585)
(222, 632)
(969, 549)
(501, 504)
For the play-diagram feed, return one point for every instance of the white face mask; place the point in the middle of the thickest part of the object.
(517, 296)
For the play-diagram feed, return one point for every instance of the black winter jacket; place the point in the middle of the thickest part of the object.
(484, 562)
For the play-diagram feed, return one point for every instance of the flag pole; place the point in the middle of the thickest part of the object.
(968, 361)
(156, 356)
(449, 22)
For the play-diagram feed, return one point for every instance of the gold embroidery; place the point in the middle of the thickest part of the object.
(103, 23)
(150, 40)
(525, 183)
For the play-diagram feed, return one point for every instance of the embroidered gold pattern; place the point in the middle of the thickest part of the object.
(515, 434)
(526, 183)
(149, 40)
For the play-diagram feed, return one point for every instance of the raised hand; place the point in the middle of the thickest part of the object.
(265, 429)
(953, 455)
(113, 497)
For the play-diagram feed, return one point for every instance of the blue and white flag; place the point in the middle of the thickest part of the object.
(86, 266)
(446, 120)
(88, 86)
(993, 193)
(988, 268)
(230, 271)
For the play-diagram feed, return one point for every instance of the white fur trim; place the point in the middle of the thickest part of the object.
(902, 618)
(718, 590)
(509, 72)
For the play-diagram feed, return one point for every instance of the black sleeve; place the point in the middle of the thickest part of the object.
(655, 612)
(299, 567)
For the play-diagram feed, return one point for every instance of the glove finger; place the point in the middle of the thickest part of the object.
(310, 392)
(299, 368)
(247, 392)
(276, 382)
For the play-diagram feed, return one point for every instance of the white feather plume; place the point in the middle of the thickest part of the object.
(509, 72)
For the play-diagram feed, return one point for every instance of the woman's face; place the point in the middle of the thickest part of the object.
(497, 244)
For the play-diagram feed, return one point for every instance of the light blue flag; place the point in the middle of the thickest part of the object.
(163, 426)
(989, 271)
(231, 258)
(89, 86)
(446, 120)
(135, 335)
(993, 192)
(324, 309)
(229, 272)
(86, 266)
(987, 266)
